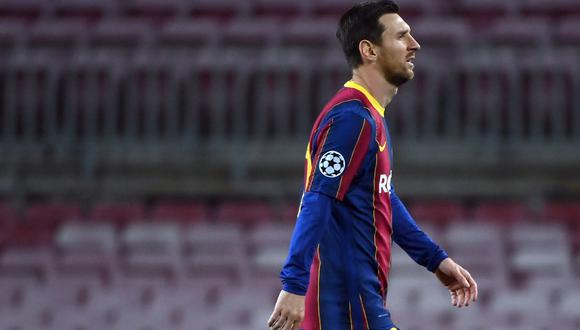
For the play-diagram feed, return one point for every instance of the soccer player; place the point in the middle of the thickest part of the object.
(335, 275)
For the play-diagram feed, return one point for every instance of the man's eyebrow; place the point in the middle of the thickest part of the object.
(404, 30)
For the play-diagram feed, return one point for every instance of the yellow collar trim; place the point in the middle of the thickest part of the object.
(374, 102)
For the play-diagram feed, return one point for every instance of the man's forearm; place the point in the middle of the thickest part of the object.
(418, 245)
(310, 225)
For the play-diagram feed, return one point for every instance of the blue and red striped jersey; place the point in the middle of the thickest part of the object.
(340, 251)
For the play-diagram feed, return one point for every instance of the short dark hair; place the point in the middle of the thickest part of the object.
(361, 22)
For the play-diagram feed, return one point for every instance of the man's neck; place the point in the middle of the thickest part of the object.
(376, 84)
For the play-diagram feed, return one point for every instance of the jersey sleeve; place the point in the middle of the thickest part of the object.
(335, 153)
(312, 221)
(414, 241)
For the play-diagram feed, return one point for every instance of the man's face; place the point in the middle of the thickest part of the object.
(396, 52)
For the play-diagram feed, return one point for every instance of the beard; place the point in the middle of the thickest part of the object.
(397, 78)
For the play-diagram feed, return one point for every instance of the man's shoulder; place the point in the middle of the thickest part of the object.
(348, 103)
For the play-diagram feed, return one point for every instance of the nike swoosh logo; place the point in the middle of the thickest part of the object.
(382, 147)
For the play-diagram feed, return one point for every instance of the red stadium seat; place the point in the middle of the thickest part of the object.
(183, 212)
(438, 211)
(279, 8)
(251, 33)
(502, 212)
(126, 33)
(244, 212)
(88, 10)
(28, 234)
(51, 214)
(308, 32)
(28, 9)
(119, 213)
(190, 33)
(532, 32)
(219, 9)
(58, 33)
(555, 8)
(154, 10)
(12, 33)
(568, 31)
(289, 212)
(441, 31)
(483, 12)
(568, 212)
(8, 214)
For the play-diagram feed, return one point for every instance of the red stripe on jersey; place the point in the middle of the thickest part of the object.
(320, 146)
(344, 95)
(382, 221)
(312, 303)
(360, 149)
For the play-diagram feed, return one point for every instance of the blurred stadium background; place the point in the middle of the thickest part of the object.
(151, 158)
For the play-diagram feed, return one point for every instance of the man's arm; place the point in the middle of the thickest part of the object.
(418, 245)
(421, 248)
(311, 223)
(333, 157)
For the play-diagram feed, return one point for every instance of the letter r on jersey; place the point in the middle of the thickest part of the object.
(385, 182)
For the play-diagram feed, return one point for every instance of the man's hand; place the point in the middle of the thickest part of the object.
(288, 312)
(458, 281)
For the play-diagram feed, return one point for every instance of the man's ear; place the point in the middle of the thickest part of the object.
(367, 51)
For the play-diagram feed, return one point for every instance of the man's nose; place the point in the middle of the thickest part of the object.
(414, 45)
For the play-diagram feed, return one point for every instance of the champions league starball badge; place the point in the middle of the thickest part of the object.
(331, 164)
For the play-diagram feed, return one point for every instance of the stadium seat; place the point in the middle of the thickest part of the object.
(86, 249)
(284, 9)
(473, 317)
(248, 34)
(8, 214)
(51, 214)
(479, 248)
(557, 8)
(540, 251)
(441, 32)
(122, 34)
(27, 9)
(152, 249)
(117, 213)
(566, 309)
(565, 212)
(538, 236)
(27, 262)
(13, 33)
(157, 12)
(220, 10)
(438, 211)
(14, 289)
(180, 211)
(87, 10)
(244, 212)
(187, 34)
(58, 35)
(513, 309)
(289, 212)
(308, 33)
(485, 12)
(501, 212)
(568, 31)
(214, 249)
(517, 32)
